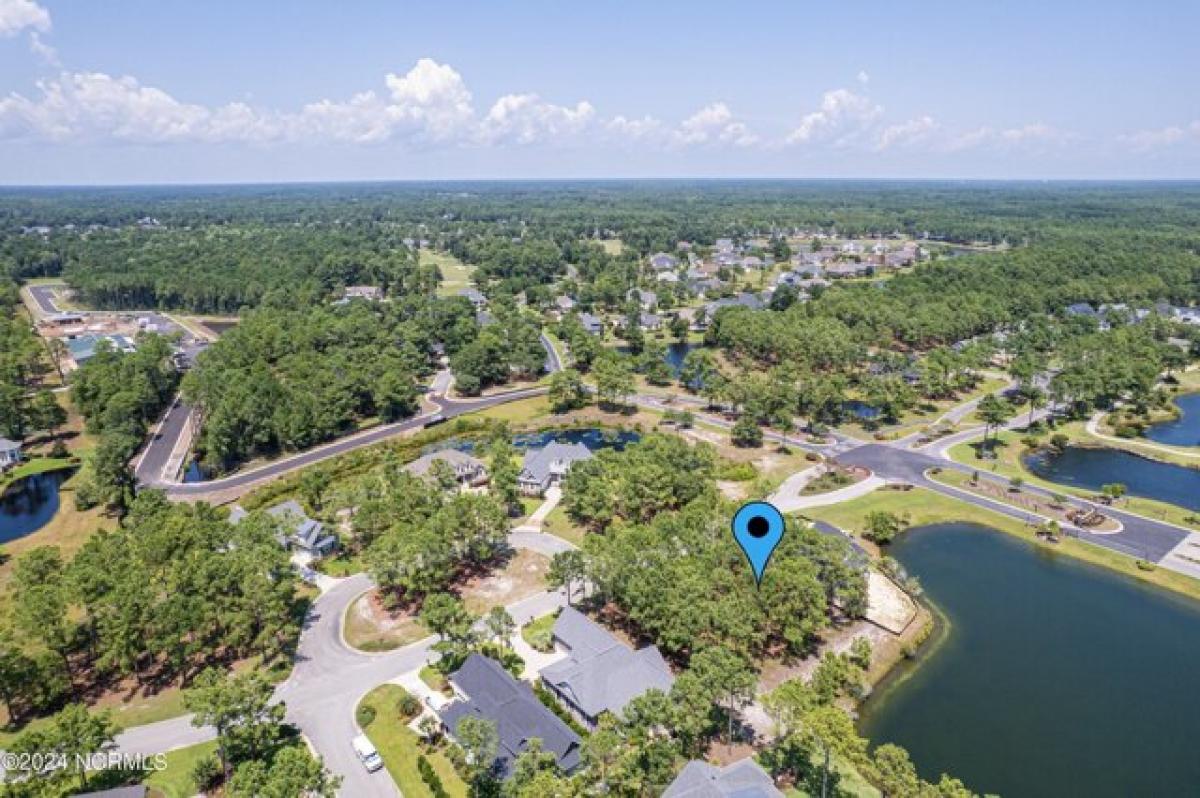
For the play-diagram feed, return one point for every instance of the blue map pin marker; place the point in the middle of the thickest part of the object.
(758, 528)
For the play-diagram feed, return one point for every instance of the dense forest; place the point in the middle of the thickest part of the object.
(219, 249)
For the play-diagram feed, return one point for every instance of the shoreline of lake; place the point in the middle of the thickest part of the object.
(941, 704)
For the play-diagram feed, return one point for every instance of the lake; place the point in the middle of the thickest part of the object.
(1091, 468)
(1056, 678)
(1182, 431)
(29, 504)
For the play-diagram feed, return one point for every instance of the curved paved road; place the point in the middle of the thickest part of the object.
(329, 679)
(156, 457)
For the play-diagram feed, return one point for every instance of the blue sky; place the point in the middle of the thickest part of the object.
(127, 92)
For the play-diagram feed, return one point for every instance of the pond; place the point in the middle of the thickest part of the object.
(675, 354)
(861, 410)
(594, 438)
(1092, 468)
(1182, 431)
(1055, 678)
(29, 504)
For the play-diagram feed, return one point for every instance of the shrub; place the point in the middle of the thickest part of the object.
(205, 772)
(812, 457)
(1059, 441)
(1145, 565)
(1126, 431)
(551, 703)
(431, 778)
(408, 706)
(746, 433)
(736, 472)
(542, 639)
(365, 715)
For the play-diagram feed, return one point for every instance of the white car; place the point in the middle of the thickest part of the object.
(367, 753)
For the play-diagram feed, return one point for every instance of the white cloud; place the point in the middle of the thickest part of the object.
(842, 114)
(1148, 140)
(904, 133)
(646, 128)
(1033, 136)
(42, 50)
(714, 123)
(526, 119)
(863, 77)
(17, 15)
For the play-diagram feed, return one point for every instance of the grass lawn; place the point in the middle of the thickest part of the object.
(366, 629)
(175, 781)
(399, 746)
(432, 678)
(613, 246)
(538, 626)
(341, 565)
(1009, 449)
(456, 275)
(38, 465)
(519, 412)
(557, 523)
(528, 505)
(926, 507)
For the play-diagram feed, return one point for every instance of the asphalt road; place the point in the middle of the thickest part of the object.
(1140, 537)
(151, 462)
(43, 295)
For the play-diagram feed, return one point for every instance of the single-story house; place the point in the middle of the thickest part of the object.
(847, 269)
(469, 470)
(474, 296)
(82, 348)
(10, 454)
(546, 467)
(724, 245)
(661, 261)
(564, 304)
(307, 535)
(647, 299)
(744, 779)
(591, 324)
(600, 673)
(745, 300)
(667, 277)
(371, 293)
(484, 689)
(1081, 309)
(650, 321)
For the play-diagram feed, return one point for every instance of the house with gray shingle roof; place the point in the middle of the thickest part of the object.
(484, 689)
(469, 470)
(546, 467)
(661, 261)
(744, 779)
(591, 324)
(475, 297)
(600, 673)
(307, 535)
